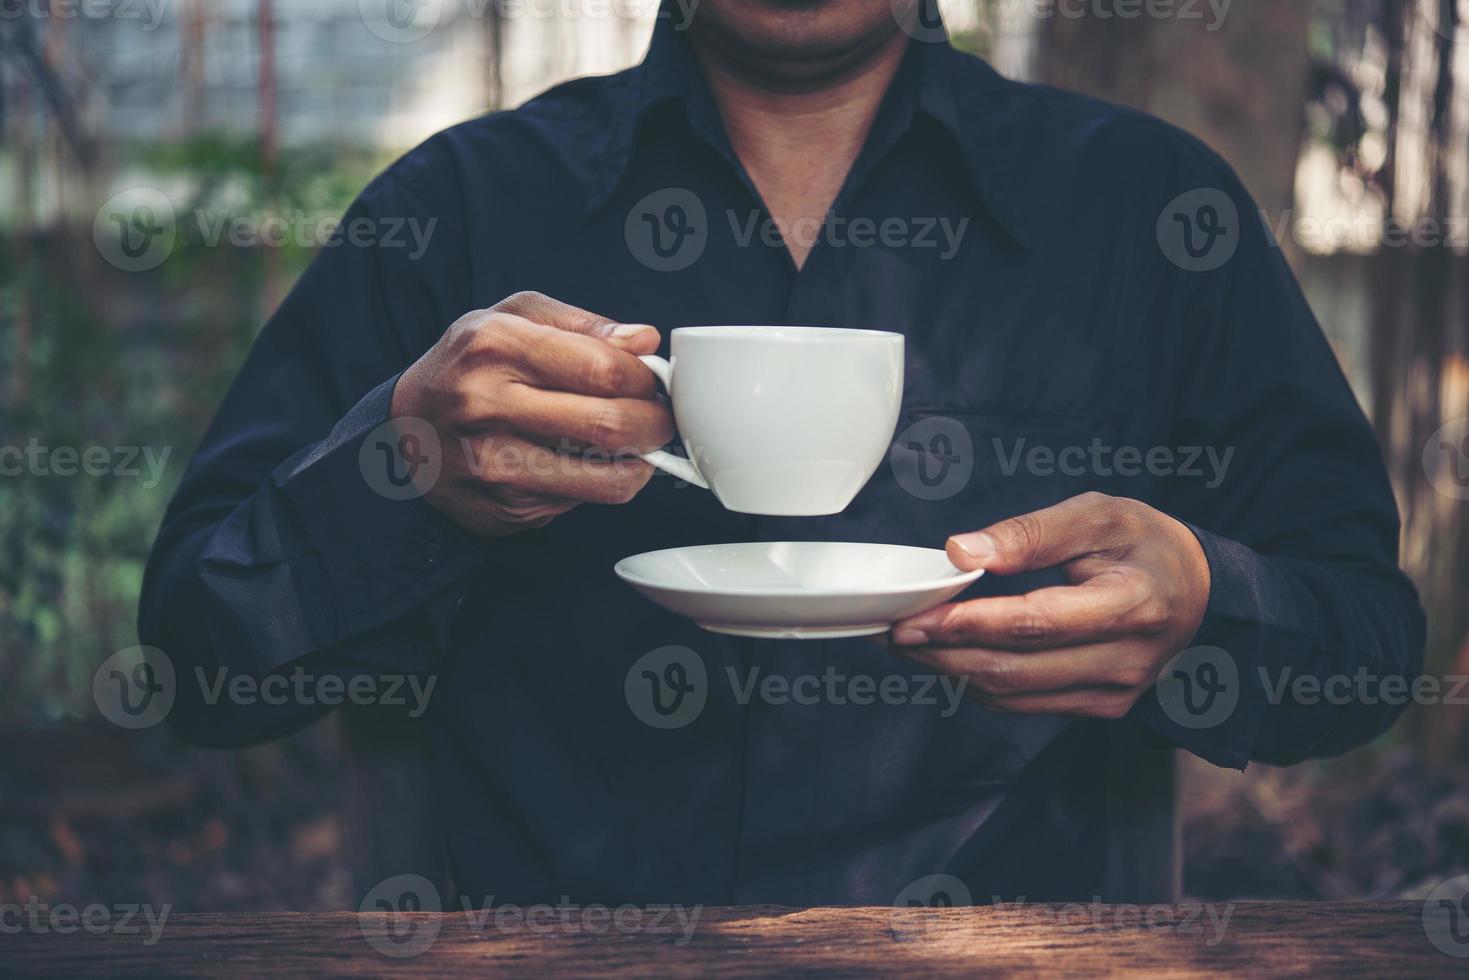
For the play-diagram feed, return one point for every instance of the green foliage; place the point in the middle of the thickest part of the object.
(120, 360)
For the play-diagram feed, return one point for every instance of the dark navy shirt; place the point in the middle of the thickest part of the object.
(1090, 303)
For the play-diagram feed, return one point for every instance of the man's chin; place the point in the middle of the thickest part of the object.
(796, 40)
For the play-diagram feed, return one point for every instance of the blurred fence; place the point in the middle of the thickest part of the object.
(262, 107)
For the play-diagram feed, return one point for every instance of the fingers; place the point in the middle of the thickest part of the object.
(1005, 674)
(557, 360)
(542, 309)
(621, 426)
(1097, 681)
(508, 464)
(493, 513)
(1046, 538)
(1114, 604)
(1087, 703)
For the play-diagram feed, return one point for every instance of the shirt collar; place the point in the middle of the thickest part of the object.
(991, 124)
(668, 75)
(981, 126)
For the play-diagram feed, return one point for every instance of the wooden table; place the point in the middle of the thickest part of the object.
(1254, 939)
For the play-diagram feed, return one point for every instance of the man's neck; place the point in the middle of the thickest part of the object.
(799, 141)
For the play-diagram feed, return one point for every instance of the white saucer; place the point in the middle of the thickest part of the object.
(806, 590)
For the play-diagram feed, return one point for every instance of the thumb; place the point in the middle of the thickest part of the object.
(635, 338)
(1041, 539)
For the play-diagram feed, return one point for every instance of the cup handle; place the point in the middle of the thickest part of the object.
(680, 467)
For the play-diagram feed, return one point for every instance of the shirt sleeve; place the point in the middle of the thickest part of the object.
(1301, 533)
(287, 545)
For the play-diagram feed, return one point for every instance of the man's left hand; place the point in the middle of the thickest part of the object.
(1138, 584)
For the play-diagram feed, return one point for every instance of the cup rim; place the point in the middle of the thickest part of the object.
(794, 335)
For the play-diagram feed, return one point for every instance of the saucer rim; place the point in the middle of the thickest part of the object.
(927, 585)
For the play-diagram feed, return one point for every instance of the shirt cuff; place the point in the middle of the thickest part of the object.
(1212, 698)
(383, 552)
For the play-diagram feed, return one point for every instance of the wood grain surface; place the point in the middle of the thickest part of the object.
(1252, 939)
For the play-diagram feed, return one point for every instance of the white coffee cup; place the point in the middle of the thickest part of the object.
(781, 421)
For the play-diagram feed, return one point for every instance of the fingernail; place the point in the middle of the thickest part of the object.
(978, 546)
(623, 331)
(909, 637)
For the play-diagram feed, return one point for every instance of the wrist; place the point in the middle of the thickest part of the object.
(1197, 577)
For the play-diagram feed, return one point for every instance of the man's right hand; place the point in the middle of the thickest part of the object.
(552, 405)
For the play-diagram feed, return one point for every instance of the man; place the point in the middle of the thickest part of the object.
(1117, 402)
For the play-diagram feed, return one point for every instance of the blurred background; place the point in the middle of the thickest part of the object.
(259, 120)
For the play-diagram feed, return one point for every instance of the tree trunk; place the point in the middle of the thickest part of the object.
(1241, 88)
